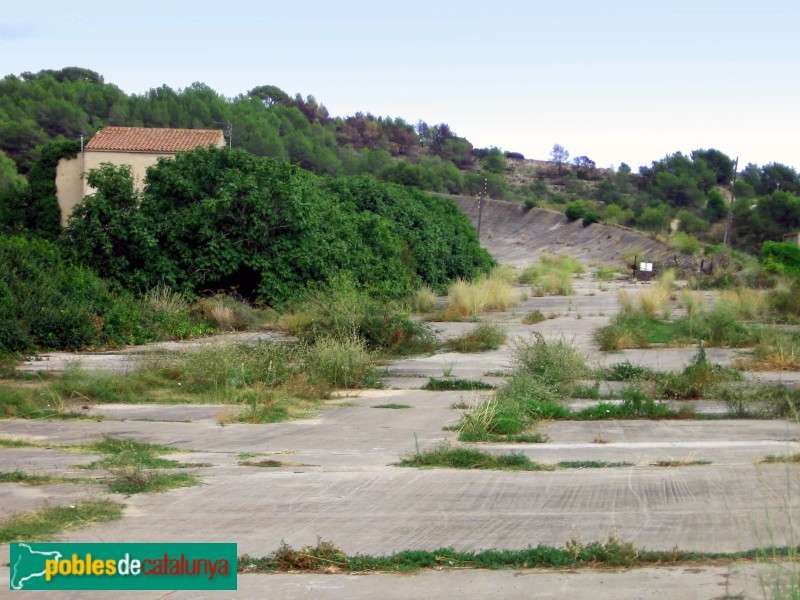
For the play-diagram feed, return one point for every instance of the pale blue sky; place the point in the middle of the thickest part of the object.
(617, 81)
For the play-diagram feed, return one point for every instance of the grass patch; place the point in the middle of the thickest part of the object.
(514, 438)
(423, 300)
(326, 557)
(544, 373)
(625, 371)
(469, 299)
(552, 275)
(227, 313)
(442, 385)
(591, 464)
(725, 324)
(36, 479)
(274, 382)
(131, 480)
(555, 363)
(135, 466)
(468, 458)
(246, 455)
(392, 405)
(606, 273)
(677, 462)
(46, 523)
(485, 336)
(771, 459)
(12, 443)
(343, 313)
(533, 317)
(271, 463)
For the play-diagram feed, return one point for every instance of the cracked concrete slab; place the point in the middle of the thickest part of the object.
(338, 479)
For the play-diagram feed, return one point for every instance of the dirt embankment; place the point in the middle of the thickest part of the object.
(514, 236)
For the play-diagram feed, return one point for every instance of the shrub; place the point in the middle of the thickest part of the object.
(470, 299)
(781, 257)
(227, 313)
(685, 243)
(47, 303)
(555, 363)
(216, 217)
(342, 312)
(486, 336)
(552, 275)
(423, 300)
(341, 363)
(533, 317)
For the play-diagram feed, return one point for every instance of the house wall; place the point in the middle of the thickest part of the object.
(71, 188)
(138, 161)
(69, 185)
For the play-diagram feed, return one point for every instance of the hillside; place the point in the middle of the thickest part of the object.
(515, 236)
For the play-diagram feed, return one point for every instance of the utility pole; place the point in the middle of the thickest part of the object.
(480, 206)
(730, 208)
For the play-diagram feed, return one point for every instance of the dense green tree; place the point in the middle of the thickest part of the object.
(494, 161)
(720, 163)
(42, 214)
(654, 218)
(215, 218)
(716, 206)
(772, 216)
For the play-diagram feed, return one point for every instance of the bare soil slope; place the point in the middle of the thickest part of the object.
(514, 236)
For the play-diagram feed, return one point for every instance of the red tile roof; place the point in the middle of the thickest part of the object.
(151, 139)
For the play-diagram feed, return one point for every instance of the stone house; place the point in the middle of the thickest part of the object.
(138, 147)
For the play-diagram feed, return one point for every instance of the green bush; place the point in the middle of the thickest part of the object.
(47, 303)
(485, 336)
(342, 312)
(215, 218)
(781, 257)
(556, 363)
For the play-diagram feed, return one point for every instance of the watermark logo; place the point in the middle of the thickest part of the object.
(123, 566)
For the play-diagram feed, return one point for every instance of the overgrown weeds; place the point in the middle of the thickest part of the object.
(469, 299)
(467, 385)
(136, 467)
(46, 523)
(552, 275)
(343, 313)
(469, 458)
(423, 300)
(227, 313)
(484, 336)
(327, 557)
(533, 317)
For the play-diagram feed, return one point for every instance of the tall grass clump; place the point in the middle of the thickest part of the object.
(227, 313)
(469, 299)
(606, 272)
(552, 275)
(746, 303)
(342, 312)
(342, 363)
(423, 300)
(556, 363)
(485, 336)
(544, 373)
(685, 243)
(656, 298)
(507, 273)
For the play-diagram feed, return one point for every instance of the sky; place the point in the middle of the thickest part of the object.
(617, 81)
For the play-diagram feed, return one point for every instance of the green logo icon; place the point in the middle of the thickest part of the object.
(123, 566)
